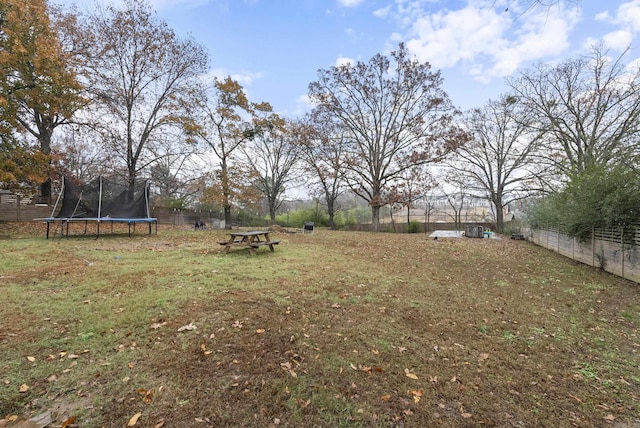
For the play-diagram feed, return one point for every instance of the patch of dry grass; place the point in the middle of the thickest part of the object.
(331, 329)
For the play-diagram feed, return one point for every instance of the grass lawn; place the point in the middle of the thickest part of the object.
(332, 329)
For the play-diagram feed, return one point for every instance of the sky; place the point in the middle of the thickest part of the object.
(274, 48)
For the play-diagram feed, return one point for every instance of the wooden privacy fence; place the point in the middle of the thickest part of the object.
(615, 250)
(186, 217)
(403, 227)
(13, 208)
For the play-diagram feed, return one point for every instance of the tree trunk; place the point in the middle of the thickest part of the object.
(499, 218)
(45, 191)
(225, 193)
(44, 139)
(375, 217)
(393, 222)
(227, 216)
(331, 212)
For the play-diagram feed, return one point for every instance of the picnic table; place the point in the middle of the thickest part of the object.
(252, 240)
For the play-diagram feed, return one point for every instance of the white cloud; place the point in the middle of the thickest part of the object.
(618, 40)
(245, 78)
(396, 37)
(633, 67)
(543, 36)
(487, 42)
(302, 106)
(382, 12)
(627, 19)
(344, 61)
(304, 101)
(349, 3)
(449, 37)
(628, 15)
(590, 42)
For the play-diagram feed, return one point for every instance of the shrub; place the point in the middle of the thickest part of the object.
(414, 227)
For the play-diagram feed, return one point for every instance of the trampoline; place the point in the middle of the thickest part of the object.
(104, 200)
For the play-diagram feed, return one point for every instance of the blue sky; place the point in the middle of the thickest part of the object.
(275, 47)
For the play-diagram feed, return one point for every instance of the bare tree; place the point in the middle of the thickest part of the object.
(78, 155)
(395, 115)
(322, 147)
(410, 187)
(527, 5)
(589, 109)
(498, 160)
(143, 78)
(176, 176)
(454, 186)
(272, 158)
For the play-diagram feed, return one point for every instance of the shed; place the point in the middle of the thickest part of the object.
(308, 227)
(473, 231)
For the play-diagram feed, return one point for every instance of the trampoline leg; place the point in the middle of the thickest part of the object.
(47, 230)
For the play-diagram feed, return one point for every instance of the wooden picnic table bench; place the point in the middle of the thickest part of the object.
(252, 240)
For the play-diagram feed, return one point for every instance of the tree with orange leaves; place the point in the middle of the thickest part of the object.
(38, 91)
(224, 124)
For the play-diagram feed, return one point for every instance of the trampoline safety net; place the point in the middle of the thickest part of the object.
(105, 199)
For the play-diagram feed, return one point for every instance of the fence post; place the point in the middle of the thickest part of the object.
(593, 245)
(622, 248)
(548, 233)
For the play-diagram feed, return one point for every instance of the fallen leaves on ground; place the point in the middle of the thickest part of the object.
(205, 351)
(68, 422)
(147, 394)
(410, 374)
(416, 394)
(134, 419)
(188, 327)
(289, 368)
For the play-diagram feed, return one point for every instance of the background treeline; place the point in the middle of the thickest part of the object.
(115, 91)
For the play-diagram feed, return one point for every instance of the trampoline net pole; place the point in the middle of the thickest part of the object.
(58, 198)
